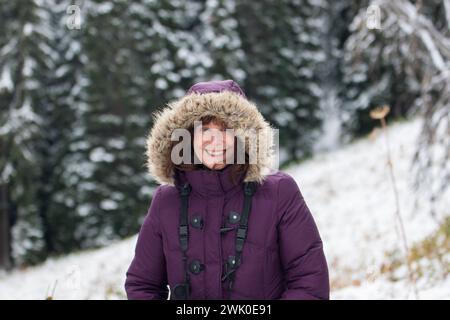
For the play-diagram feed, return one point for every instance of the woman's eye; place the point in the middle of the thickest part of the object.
(213, 129)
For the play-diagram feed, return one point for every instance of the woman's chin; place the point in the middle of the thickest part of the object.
(215, 166)
(214, 163)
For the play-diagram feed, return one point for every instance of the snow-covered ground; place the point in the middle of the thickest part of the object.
(350, 195)
(96, 274)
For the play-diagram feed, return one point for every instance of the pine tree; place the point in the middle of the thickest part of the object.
(436, 11)
(405, 64)
(23, 41)
(40, 115)
(281, 44)
(62, 103)
(378, 68)
(223, 56)
(140, 65)
(334, 32)
(105, 168)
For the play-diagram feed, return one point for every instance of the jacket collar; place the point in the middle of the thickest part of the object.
(209, 182)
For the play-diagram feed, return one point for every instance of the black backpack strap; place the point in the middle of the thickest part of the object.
(182, 291)
(184, 228)
(241, 235)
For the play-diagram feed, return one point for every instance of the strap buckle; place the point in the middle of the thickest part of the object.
(249, 188)
(241, 234)
(183, 232)
(231, 266)
(185, 190)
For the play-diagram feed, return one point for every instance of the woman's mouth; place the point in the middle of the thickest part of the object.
(215, 153)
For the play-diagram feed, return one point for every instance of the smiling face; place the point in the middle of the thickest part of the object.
(214, 145)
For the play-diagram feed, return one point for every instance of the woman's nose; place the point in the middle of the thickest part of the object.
(216, 139)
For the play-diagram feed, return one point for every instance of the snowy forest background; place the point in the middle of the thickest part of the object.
(80, 79)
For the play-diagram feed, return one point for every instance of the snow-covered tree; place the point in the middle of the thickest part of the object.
(433, 37)
(144, 56)
(334, 32)
(404, 64)
(62, 104)
(281, 41)
(27, 54)
(378, 68)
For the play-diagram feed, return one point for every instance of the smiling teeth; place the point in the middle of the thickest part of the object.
(216, 153)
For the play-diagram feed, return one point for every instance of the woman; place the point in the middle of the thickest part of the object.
(222, 228)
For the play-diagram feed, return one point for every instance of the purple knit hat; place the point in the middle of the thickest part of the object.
(216, 86)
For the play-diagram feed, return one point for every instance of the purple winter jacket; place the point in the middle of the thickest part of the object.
(282, 257)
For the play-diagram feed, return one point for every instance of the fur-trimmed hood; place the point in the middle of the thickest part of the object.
(222, 99)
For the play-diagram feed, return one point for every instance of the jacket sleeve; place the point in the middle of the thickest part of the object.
(301, 251)
(146, 277)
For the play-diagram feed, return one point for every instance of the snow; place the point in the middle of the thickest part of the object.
(104, 8)
(29, 64)
(162, 67)
(20, 120)
(6, 80)
(6, 172)
(109, 204)
(161, 84)
(434, 52)
(350, 196)
(238, 74)
(117, 143)
(27, 29)
(99, 154)
(447, 12)
(331, 125)
(84, 210)
(96, 274)
(382, 290)
(173, 77)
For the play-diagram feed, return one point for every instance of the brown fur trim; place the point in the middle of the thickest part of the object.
(239, 114)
